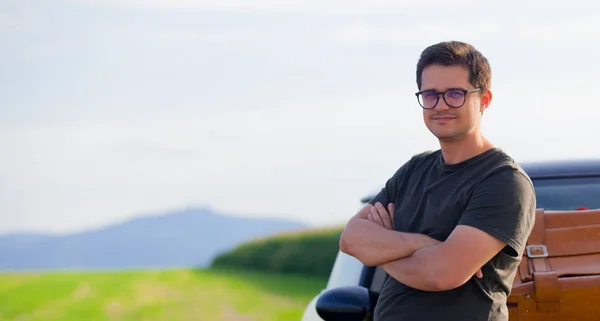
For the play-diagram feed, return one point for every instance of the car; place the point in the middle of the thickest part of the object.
(353, 288)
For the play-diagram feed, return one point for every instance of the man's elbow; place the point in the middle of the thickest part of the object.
(350, 247)
(345, 242)
(439, 276)
(446, 281)
(343, 245)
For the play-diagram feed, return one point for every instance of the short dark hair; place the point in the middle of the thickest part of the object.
(456, 53)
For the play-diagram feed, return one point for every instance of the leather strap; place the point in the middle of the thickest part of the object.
(547, 291)
(536, 242)
(547, 288)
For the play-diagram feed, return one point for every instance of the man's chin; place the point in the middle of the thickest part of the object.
(447, 137)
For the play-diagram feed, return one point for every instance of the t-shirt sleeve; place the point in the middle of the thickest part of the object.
(389, 191)
(503, 205)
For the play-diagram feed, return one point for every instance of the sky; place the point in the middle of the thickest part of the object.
(288, 109)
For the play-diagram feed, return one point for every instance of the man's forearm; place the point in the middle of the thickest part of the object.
(373, 244)
(418, 271)
(427, 269)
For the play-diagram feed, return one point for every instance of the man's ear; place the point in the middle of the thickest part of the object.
(486, 100)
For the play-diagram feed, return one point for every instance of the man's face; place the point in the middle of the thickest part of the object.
(446, 123)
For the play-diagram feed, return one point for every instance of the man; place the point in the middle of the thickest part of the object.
(449, 227)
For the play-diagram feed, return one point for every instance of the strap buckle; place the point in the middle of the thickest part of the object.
(534, 251)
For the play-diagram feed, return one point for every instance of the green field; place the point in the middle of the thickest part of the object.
(205, 295)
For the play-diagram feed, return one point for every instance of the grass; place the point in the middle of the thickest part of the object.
(207, 295)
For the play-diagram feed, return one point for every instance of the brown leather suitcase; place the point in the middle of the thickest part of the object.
(559, 276)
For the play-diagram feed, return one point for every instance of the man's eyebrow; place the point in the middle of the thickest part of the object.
(450, 88)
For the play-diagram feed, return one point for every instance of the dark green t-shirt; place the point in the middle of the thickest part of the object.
(489, 192)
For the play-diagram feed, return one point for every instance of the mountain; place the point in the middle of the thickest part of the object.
(188, 238)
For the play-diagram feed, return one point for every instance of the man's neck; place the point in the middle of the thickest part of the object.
(469, 146)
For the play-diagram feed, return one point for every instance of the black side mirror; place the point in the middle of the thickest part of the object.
(349, 303)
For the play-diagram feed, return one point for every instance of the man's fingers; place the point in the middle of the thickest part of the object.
(370, 217)
(391, 211)
(383, 214)
(376, 217)
(479, 274)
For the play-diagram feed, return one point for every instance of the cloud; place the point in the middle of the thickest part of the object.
(489, 29)
(453, 10)
(5, 21)
(325, 6)
(580, 28)
(404, 33)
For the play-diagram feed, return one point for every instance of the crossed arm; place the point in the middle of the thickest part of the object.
(417, 260)
(369, 236)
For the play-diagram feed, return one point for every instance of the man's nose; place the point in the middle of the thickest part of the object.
(441, 105)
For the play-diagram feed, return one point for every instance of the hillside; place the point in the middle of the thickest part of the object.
(156, 295)
(178, 239)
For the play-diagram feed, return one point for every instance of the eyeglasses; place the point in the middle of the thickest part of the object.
(454, 97)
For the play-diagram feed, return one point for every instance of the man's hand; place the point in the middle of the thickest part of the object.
(379, 215)
(479, 274)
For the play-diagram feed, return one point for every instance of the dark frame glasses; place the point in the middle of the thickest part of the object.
(454, 97)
